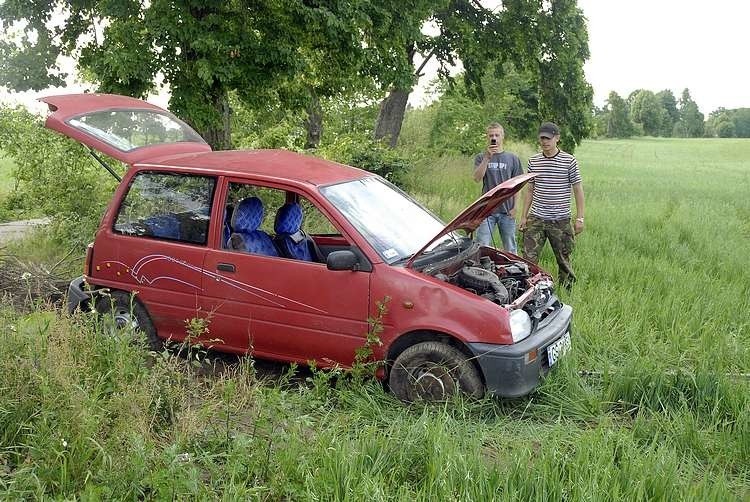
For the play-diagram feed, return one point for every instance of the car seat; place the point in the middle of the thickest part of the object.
(163, 225)
(291, 241)
(226, 231)
(246, 218)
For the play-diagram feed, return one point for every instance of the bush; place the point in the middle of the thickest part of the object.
(368, 154)
(56, 177)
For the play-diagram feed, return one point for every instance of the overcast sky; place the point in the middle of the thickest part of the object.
(670, 44)
(654, 45)
(667, 44)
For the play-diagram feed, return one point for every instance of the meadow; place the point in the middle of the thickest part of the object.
(653, 402)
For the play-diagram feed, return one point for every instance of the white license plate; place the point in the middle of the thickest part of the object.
(557, 349)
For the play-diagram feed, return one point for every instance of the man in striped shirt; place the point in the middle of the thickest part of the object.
(546, 210)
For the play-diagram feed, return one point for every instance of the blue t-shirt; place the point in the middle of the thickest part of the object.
(502, 167)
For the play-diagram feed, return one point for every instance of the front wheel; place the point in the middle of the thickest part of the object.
(120, 310)
(434, 371)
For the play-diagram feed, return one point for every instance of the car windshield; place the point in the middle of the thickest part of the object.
(391, 221)
(127, 130)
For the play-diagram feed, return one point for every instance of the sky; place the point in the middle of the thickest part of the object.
(665, 44)
(668, 44)
(641, 44)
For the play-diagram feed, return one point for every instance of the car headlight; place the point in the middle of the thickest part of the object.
(520, 325)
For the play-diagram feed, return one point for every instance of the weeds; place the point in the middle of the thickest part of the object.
(661, 317)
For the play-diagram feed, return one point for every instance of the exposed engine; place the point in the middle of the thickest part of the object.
(499, 283)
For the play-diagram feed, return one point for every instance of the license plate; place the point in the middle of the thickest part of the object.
(557, 349)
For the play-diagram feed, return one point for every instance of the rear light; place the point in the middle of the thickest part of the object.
(89, 259)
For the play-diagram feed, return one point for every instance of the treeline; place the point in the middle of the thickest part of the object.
(298, 58)
(645, 113)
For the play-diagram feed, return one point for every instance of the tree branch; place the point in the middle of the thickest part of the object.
(418, 73)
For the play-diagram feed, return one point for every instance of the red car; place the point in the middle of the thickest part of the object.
(289, 255)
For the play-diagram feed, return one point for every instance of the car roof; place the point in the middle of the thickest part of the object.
(279, 165)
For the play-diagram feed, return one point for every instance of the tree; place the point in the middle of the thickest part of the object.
(669, 103)
(741, 121)
(548, 39)
(203, 50)
(647, 110)
(690, 124)
(618, 120)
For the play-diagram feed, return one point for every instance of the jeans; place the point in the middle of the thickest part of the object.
(506, 224)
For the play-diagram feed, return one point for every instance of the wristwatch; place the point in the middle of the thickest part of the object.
(579, 219)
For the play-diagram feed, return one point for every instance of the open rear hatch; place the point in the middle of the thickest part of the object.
(127, 129)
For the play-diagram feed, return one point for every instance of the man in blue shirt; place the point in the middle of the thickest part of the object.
(492, 167)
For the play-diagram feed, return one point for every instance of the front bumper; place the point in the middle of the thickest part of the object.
(507, 372)
(78, 296)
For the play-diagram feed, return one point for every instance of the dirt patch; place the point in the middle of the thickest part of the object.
(17, 229)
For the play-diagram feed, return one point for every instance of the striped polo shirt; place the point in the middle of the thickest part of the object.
(555, 177)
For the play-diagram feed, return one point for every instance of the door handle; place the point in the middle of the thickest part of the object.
(226, 267)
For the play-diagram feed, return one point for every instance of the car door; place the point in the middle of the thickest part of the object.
(154, 243)
(285, 308)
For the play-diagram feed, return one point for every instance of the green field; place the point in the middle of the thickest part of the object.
(652, 404)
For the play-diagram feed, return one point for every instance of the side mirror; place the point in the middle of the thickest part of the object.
(342, 260)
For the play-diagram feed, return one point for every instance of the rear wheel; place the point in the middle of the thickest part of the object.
(434, 371)
(122, 311)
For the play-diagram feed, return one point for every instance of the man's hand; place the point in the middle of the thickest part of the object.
(578, 226)
(522, 223)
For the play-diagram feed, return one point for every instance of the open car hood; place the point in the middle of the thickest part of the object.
(127, 129)
(471, 217)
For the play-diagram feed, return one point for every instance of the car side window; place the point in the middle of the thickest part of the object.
(255, 215)
(167, 206)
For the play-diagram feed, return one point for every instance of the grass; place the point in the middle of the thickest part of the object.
(662, 325)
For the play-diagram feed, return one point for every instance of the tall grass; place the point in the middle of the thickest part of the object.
(662, 326)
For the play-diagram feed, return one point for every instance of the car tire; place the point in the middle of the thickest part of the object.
(119, 312)
(434, 371)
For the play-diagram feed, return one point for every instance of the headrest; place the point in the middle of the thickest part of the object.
(288, 219)
(248, 215)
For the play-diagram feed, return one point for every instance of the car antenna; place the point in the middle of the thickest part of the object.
(104, 165)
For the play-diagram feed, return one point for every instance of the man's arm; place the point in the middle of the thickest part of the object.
(480, 169)
(529, 194)
(517, 171)
(580, 206)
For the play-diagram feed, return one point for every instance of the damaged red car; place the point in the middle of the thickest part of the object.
(288, 256)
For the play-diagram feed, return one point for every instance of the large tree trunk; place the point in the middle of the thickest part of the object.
(313, 122)
(391, 116)
(220, 135)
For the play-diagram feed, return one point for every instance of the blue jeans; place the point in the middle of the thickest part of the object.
(506, 224)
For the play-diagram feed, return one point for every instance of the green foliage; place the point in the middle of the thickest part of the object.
(292, 52)
(459, 120)
(618, 118)
(647, 110)
(729, 123)
(662, 413)
(368, 154)
(690, 124)
(669, 103)
(55, 176)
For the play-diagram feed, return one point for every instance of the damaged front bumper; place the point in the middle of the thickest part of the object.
(78, 295)
(516, 370)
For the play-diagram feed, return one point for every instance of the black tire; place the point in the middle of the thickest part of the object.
(434, 371)
(119, 311)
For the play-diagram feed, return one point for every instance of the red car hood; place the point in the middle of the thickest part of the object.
(471, 217)
(66, 109)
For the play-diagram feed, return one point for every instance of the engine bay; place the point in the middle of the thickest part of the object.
(511, 283)
(499, 283)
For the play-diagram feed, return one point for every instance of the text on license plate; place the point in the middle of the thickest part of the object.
(557, 349)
